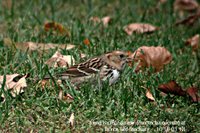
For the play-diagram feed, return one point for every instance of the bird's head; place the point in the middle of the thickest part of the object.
(117, 59)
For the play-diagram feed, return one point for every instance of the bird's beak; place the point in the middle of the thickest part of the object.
(129, 61)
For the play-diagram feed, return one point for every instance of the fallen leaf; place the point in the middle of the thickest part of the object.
(185, 5)
(59, 60)
(53, 26)
(46, 82)
(71, 120)
(162, 1)
(95, 19)
(193, 93)
(82, 55)
(42, 46)
(139, 28)
(190, 20)
(163, 94)
(15, 83)
(33, 46)
(66, 97)
(172, 88)
(156, 57)
(194, 42)
(149, 95)
(106, 20)
(86, 42)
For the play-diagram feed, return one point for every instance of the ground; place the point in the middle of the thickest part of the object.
(40, 110)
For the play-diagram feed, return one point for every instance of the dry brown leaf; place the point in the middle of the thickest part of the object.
(185, 5)
(59, 60)
(95, 19)
(156, 57)
(82, 55)
(173, 88)
(149, 95)
(190, 20)
(193, 93)
(58, 28)
(66, 97)
(86, 42)
(42, 46)
(72, 120)
(163, 94)
(60, 95)
(15, 83)
(33, 46)
(139, 28)
(162, 1)
(105, 20)
(46, 82)
(194, 42)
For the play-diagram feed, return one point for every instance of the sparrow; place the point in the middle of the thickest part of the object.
(106, 67)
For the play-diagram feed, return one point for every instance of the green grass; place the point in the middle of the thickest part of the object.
(41, 111)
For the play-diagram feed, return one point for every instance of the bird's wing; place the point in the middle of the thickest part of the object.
(87, 68)
(78, 71)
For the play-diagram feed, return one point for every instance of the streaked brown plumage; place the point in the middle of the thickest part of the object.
(107, 66)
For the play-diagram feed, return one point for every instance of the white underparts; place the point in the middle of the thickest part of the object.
(114, 76)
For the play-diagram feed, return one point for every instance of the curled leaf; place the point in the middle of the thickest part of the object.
(46, 82)
(82, 55)
(95, 19)
(71, 120)
(162, 1)
(149, 95)
(190, 20)
(139, 28)
(86, 42)
(15, 83)
(194, 42)
(105, 20)
(59, 60)
(172, 88)
(156, 57)
(66, 97)
(185, 5)
(33, 46)
(53, 26)
(193, 93)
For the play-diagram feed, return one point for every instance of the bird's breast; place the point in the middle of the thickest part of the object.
(114, 76)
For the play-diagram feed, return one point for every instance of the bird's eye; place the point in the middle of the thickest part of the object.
(121, 56)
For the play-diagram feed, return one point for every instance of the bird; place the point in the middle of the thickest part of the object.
(107, 67)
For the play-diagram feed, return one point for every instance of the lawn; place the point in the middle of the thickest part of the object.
(120, 107)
